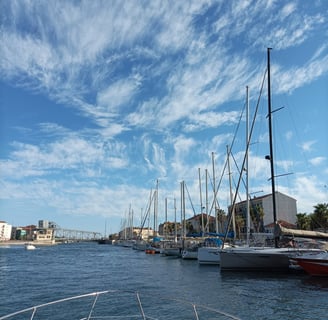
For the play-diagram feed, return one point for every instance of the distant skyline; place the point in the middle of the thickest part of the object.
(99, 100)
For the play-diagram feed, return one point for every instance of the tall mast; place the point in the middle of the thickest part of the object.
(165, 234)
(201, 201)
(271, 149)
(231, 195)
(155, 208)
(248, 223)
(175, 221)
(206, 197)
(183, 209)
(214, 192)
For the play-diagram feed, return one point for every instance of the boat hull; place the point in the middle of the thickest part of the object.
(189, 254)
(172, 252)
(209, 255)
(254, 260)
(315, 264)
(30, 247)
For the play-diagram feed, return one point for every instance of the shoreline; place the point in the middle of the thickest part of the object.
(22, 243)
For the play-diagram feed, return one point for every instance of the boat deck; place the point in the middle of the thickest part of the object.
(115, 304)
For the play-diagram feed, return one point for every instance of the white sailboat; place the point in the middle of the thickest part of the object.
(172, 248)
(256, 258)
(209, 253)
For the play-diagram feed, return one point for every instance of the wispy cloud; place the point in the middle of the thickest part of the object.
(285, 81)
(317, 161)
(307, 146)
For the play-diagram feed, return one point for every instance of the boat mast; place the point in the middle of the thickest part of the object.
(214, 192)
(271, 150)
(231, 195)
(248, 223)
(206, 197)
(165, 225)
(175, 221)
(201, 201)
(183, 209)
(156, 208)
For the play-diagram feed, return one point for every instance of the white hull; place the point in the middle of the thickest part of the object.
(189, 254)
(209, 255)
(30, 247)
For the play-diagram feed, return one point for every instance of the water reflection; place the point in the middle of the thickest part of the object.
(316, 282)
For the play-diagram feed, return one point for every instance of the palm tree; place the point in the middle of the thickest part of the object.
(257, 214)
(320, 216)
(303, 221)
(221, 218)
(189, 227)
(240, 223)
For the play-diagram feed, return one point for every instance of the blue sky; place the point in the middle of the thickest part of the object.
(100, 99)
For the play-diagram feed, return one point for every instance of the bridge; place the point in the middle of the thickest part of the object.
(62, 235)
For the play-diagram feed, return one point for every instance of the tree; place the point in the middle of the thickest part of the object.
(221, 218)
(190, 227)
(257, 214)
(303, 221)
(240, 223)
(319, 218)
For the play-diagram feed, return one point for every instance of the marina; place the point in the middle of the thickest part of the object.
(81, 268)
(164, 160)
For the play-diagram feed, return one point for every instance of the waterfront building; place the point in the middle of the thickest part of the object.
(261, 211)
(45, 236)
(136, 233)
(45, 224)
(5, 231)
(24, 233)
(196, 223)
(170, 229)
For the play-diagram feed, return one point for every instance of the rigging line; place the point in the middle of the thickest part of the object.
(237, 128)
(239, 171)
(245, 157)
(147, 211)
(225, 164)
(218, 187)
(226, 161)
(214, 198)
(193, 209)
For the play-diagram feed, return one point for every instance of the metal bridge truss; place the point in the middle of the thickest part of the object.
(75, 235)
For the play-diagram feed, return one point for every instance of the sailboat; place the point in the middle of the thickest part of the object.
(259, 258)
(209, 253)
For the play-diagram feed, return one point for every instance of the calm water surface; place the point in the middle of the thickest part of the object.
(30, 278)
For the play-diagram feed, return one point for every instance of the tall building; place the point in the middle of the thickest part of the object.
(261, 210)
(5, 231)
(43, 224)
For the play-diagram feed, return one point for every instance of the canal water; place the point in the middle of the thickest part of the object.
(29, 278)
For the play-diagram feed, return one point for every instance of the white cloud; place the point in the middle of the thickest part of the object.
(211, 120)
(117, 94)
(289, 135)
(309, 191)
(307, 146)
(295, 77)
(317, 161)
(287, 10)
